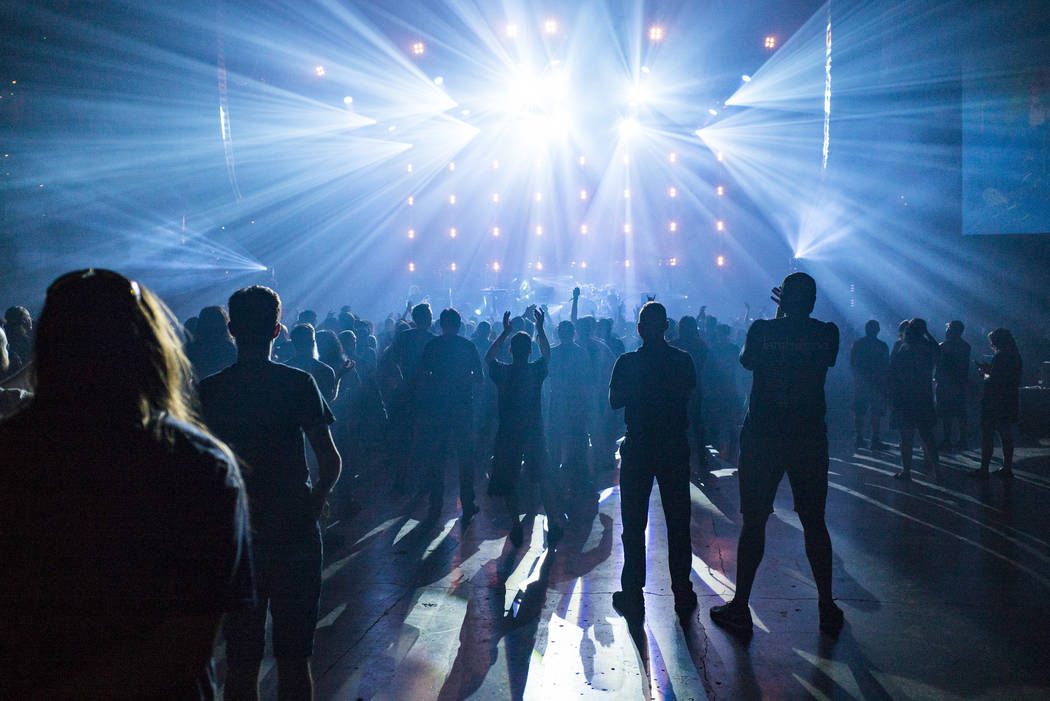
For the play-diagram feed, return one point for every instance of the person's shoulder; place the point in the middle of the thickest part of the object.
(675, 352)
(197, 451)
(825, 327)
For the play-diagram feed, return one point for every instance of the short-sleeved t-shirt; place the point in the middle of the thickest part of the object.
(572, 382)
(656, 381)
(953, 363)
(520, 389)
(789, 357)
(261, 410)
(869, 359)
(110, 530)
(322, 373)
(408, 349)
(450, 365)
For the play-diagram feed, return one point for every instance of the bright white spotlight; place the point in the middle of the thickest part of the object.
(550, 26)
(418, 48)
(348, 100)
(656, 33)
(630, 127)
(439, 80)
(712, 111)
(319, 70)
(745, 78)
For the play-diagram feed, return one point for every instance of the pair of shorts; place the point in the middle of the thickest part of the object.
(509, 450)
(766, 457)
(288, 582)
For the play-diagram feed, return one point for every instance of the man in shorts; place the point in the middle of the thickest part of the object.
(784, 432)
(264, 411)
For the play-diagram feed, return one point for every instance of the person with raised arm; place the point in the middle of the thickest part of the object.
(519, 436)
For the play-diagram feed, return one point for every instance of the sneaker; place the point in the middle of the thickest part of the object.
(517, 534)
(630, 607)
(831, 618)
(469, 512)
(554, 534)
(734, 618)
(685, 604)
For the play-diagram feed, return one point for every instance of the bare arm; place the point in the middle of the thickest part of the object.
(575, 304)
(329, 464)
(493, 350)
(541, 336)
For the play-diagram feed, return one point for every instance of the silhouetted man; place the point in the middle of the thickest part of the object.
(520, 433)
(406, 352)
(451, 368)
(952, 374)
(571, 384)
(784, 431)
(262, 410)
(304, 340)
(869, 358)
(653, 384)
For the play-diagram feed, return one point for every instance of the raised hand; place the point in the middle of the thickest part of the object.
(575, 293)
(540, 316)
(506, 322)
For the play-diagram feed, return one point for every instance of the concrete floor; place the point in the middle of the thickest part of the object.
(944, 587)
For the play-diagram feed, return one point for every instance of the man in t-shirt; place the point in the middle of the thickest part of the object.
(784, 431)
(262, 410)
(570, 408)
(869, 359)
(305, 342)
(653, 384)
(520, 433)
(404, 358)
(451, 368)
(952, 374)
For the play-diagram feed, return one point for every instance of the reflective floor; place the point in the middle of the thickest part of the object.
(944, 586)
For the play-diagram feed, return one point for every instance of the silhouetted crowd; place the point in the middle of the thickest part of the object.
(162, 478)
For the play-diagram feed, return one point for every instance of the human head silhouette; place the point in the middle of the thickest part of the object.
(255, 315)
(652, 322)
(954, 330)
(450, 322)
(798, 294)
(566, 332)
(520, 346)
(871, 329)
(422, 315)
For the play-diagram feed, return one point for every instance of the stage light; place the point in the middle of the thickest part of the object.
(720, 261)
(452, 165)
(627, 264)
(439, 80)
(511, 30)
(409, 168)
(452, 199)
(645, 69)
(411, 200)
(495, 232)
(712, 111)
(630, 127)
(495, 198)
(452, 267)
(495, 165)
(581, 160)
(418, 48)
(656, 33)
(672, 157)
(495, 266)
(771, 42)
(673, 192)
(627, 228)
(583, 264)
(539, 197)
(720, 191)
(673, 226)
(452, 233)
(411, 233)
(720, 225)
(348, 100)
(539, 231)
(673, 262)
(319, 70)
(583, 229)
(719, 157)
(411, 267)
(539, 265)
(550, 26)
(583, 194)
(745, 78)
(627, 194)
